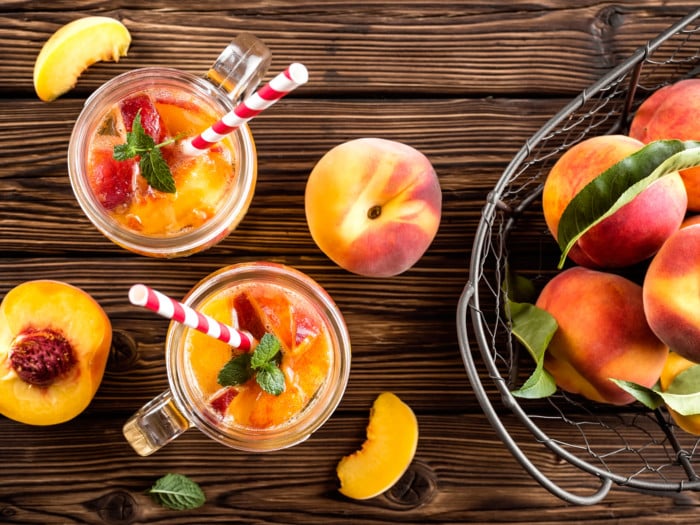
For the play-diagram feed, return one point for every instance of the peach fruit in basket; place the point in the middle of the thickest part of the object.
(392, 439)
(54, 344)
(633, 233)
(673, 112)
(373, 206)
(675, 364)
(672, 292)
(602, 334)
(73, 48)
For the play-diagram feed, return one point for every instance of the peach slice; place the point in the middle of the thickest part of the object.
(392, 438)
(54, 344)
(73, 48)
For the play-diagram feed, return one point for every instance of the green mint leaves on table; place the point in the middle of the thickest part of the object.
(261, 362)
(152, 164)
(177, 492)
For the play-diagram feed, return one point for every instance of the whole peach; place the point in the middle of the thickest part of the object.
(602, 334)
(673, 112)
(373, 206)
(672, 292)
(635, 231)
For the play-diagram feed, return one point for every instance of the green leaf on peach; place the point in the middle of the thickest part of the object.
(650, 398)
(621, 183)
(682, 395)
(534, 328)
(518, 288)
(686, 382)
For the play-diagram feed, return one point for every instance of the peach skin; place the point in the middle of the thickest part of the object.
(602, 334)
(672, 293)
(673, 112)
(633, 233)
(373, 206)
(675, 364)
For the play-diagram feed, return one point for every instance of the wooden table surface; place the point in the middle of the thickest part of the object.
(464, 82)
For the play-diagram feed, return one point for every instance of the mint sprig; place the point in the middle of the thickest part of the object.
(177, 492)
(261, 363)
(152, 164)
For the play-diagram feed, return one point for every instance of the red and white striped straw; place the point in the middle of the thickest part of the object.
(291, 78)
(142, 295)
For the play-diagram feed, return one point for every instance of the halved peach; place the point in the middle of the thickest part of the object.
(392, 439)
(54, 344)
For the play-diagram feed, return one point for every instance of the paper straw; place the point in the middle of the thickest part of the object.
(291, 78)
(142, 295)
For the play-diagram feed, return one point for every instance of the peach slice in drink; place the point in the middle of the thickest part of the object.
(305, 357)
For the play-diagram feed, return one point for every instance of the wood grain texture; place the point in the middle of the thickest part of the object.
(465, 82)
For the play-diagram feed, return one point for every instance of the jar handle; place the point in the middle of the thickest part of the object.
(240, 67)
(157, 423)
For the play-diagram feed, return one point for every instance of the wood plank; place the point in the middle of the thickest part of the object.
(456, 48)
(459, 475)
(468, 141)
(464, 82)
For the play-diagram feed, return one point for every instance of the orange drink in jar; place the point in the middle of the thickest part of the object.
(201, 182)
(205, 195)
(267, 300)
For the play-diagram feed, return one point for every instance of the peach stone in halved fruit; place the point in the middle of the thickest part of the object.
(54, 344)
(392, 439)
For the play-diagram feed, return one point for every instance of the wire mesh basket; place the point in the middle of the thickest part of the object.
(630, 446)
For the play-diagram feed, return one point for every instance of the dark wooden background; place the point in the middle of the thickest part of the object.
(464, 82)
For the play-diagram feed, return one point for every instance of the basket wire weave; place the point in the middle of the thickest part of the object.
(652, 455)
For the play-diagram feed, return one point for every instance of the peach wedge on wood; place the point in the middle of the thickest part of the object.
(73, 48)
(392, 439)
(54, 344)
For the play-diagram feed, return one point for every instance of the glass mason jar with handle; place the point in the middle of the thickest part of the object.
(210, 193)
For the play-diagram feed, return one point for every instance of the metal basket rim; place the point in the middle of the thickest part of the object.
(469, 302)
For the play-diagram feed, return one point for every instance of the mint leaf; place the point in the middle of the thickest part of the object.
(177, 492)
(236, 372)
(125, 151)
(141, 140)
(271, 379)
(152, 164)
(156, 171)
(265, 351)
(261, 362)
